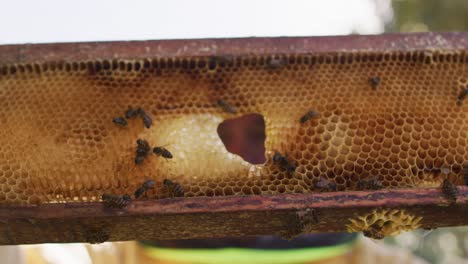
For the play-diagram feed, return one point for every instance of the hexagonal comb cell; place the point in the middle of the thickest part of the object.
(59, 143)
(385, 222)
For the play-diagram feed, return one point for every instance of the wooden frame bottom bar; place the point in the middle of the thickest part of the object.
(211, 217)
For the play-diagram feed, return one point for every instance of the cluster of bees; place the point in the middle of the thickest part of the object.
(132, 113)
(176, 190)
(120, 201)
(143, 150)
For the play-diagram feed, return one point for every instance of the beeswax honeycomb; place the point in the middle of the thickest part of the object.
(58, 142)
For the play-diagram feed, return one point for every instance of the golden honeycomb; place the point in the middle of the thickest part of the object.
(58, 142)
(384, 222)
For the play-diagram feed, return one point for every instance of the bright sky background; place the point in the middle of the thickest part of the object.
(25, 21)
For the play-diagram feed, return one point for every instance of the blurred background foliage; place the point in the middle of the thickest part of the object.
(428, 15)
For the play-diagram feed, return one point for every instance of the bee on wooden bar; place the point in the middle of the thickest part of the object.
(96, 236)
(374, 233)
(369, 184)
(162, 151)
(120, 121)
(144, 187)
(325, 185)
(450, 190)
(174, 188)
(132, 113)
(143, 149)
(283, 162)
(461, 97)
(116, 201)
(307, 217)
(374, 82)
(147, 121)
(309, 115)
(226, 107)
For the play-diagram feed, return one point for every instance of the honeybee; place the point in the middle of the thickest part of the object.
(374, 232)
(147, 121)
(131, 113)
(144, 187)
(374, 82)
(309, 115)
(462, 95)
(226, 107)
(275, 63)
(143, 148)
(96, 236)
(450, 190)
(116, 201)
(218, 60)
(162, 151)
(291, 233)
(143, 144)
(369, 184)
(120, 121)
(174, 189)
(325, 185)
(283, 162)
(307, 217)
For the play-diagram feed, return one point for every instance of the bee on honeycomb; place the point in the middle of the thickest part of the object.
(116, 201)
(369, 184)
(309, 115)
(325, 185)
(142, 151)
(120, 121)
(283, 162)
(174, 188)
(226, 107)
(163, 152)
(143, 188)
(374, 82)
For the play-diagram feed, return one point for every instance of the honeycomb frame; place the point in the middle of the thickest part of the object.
(125, 68)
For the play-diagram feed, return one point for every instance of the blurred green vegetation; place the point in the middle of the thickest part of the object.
(429, 15)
